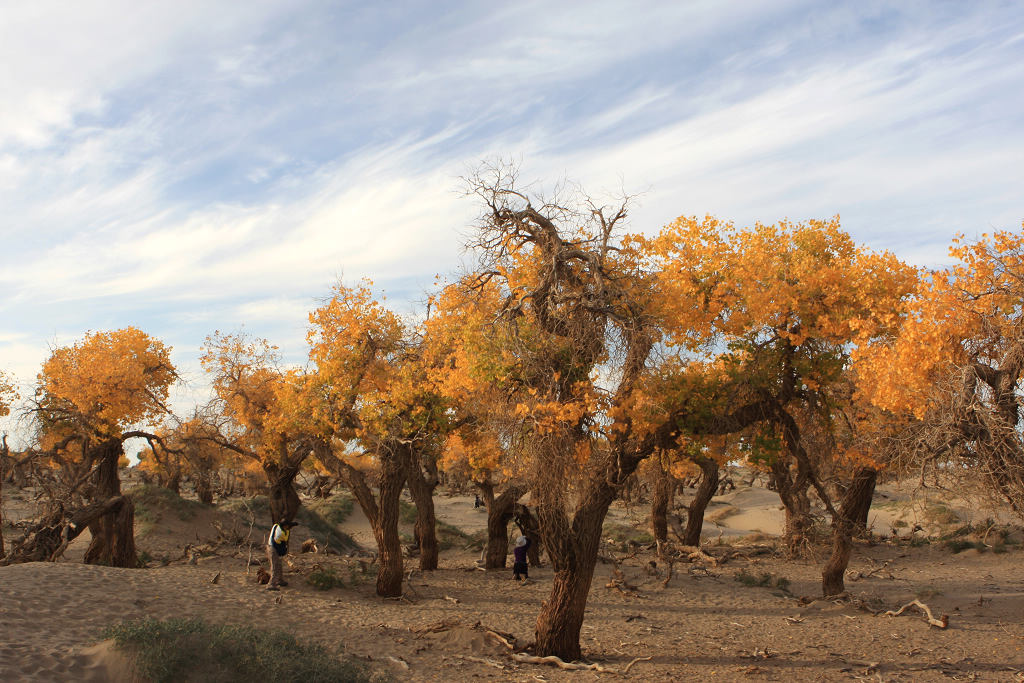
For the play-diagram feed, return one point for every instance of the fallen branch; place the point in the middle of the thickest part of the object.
(557, 661)
(481, 660)
(671, 567)
(506, 639)
(634, 661)
(694, 553)
(938, 623)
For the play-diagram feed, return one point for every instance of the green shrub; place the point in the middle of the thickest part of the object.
(324, 579)
(193, 650)
(936, 513)
(335, 509)
(624, 535)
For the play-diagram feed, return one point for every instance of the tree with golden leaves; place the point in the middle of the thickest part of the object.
(380, 422)
(486, 436)
(90, 398)
(256, 417)
(787, 302)
(956, 367)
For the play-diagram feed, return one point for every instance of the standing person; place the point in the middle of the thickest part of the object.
(520, 570)
(277, 547)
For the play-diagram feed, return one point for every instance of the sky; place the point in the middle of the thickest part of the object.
(192, 166)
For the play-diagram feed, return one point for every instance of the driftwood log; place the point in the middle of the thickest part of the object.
(942, 622)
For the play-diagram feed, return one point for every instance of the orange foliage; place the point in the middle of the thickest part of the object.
(105, 384)
(971, 312)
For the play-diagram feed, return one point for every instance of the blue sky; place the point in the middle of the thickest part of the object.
(192, 166)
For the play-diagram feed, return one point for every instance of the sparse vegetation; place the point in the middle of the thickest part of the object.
(192, 649)
(325, 578)
(624, 536)
(762, 580)
(153, 502)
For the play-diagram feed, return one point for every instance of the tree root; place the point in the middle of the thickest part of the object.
(938, 623)
(557, 661)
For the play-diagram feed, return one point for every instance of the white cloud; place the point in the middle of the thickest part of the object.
(192, 166)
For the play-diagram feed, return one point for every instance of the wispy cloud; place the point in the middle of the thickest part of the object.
(191, 166)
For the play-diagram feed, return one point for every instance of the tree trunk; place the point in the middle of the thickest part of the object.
(284, 500)
(855, 500)
(531, 529)
(46, 540)
(382, 515)
(204, 488)
(4, 452)
(385, 531)
(705, 492)
(573, 557)
(499, 513)
(861, 510)
(792, 492)
(113, 534)
(422, 482)
(661, 501)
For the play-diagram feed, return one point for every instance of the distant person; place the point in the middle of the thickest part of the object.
(277, 547)
(477, 503)
(520, 569)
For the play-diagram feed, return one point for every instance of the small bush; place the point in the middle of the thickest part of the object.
(940, 514)
(958, 545)
(623, 536)
(450, 536)
(193, 650)
(764, 580)
(324, 579)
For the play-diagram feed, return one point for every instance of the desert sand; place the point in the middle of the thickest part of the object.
(700, 624)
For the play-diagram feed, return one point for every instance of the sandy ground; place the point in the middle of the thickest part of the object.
(701, 624)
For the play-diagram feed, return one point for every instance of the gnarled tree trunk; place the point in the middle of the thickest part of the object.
(113, 533)
(856, 499)
(661, 501)
(705, 492)
(4, 453)
(499, 513)
(423, 480)
(573, 558)
(284, 500)
(46, 540)
(792, 490)
(382, 515)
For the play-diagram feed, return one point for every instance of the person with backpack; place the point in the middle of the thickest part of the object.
(277, 547)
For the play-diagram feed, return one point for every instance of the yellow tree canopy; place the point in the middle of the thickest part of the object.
(971, 314)
(105, 383)
(254, 396)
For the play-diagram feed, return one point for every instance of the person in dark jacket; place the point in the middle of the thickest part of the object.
(520, 569)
